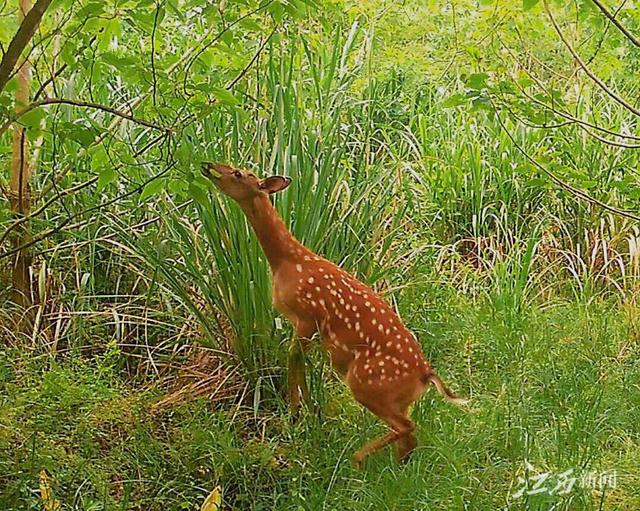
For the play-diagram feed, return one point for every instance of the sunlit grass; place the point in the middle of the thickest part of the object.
(523, 297)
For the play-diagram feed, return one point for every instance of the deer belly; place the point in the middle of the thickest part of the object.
(340, 359)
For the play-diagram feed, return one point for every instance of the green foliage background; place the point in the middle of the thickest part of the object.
(434, 152)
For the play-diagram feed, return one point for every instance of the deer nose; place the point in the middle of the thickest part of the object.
(209, 169)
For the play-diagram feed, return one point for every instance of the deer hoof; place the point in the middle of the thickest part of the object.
(356, 460)
(294, 401)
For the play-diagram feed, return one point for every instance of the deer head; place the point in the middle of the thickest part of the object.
(241, 185)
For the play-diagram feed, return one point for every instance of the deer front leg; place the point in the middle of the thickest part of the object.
(297, 380)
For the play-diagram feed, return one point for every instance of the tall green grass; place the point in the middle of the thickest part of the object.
(340, 203)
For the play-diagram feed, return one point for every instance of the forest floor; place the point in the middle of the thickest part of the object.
(553, 424)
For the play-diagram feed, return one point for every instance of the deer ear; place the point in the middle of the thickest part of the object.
(273, 184)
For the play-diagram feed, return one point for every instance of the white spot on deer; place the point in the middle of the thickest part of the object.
(299, 268)
(313, 303)
(357, 326)
(381, 363)
(374, 321)
(381, 327)
(367, 304)
(310, 280)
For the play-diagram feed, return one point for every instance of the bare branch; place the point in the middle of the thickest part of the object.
(615, 21)
(246, 68)
(86, 104)
(21, 39)
(566, 186)
(586, 69)
(67, 220)
(607, 141)
(552, 108)
(42, 208)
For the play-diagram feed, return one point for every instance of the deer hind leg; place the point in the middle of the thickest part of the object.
(402, 429)
(405, 446)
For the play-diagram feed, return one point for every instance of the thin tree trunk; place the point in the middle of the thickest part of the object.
(20, 193)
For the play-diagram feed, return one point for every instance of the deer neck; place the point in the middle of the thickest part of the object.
(278, 244)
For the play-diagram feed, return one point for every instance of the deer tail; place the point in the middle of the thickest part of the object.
(444, 390)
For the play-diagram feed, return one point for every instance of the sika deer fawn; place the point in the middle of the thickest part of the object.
(368, 344)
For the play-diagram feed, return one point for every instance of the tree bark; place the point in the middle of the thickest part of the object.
(19, 190)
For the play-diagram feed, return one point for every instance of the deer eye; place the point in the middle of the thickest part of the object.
(237, 174)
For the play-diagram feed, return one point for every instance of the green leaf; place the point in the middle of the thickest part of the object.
(91, 9)
(477, 81)
(152, 188)
(199, 195)
(224, 96)
(529, 4)
(183, 154)
(99, 158)
(276, 10)
(83, 135)
(456, 99)
(106, 177)
(177, 186)
(32, 119)
(536, 183)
